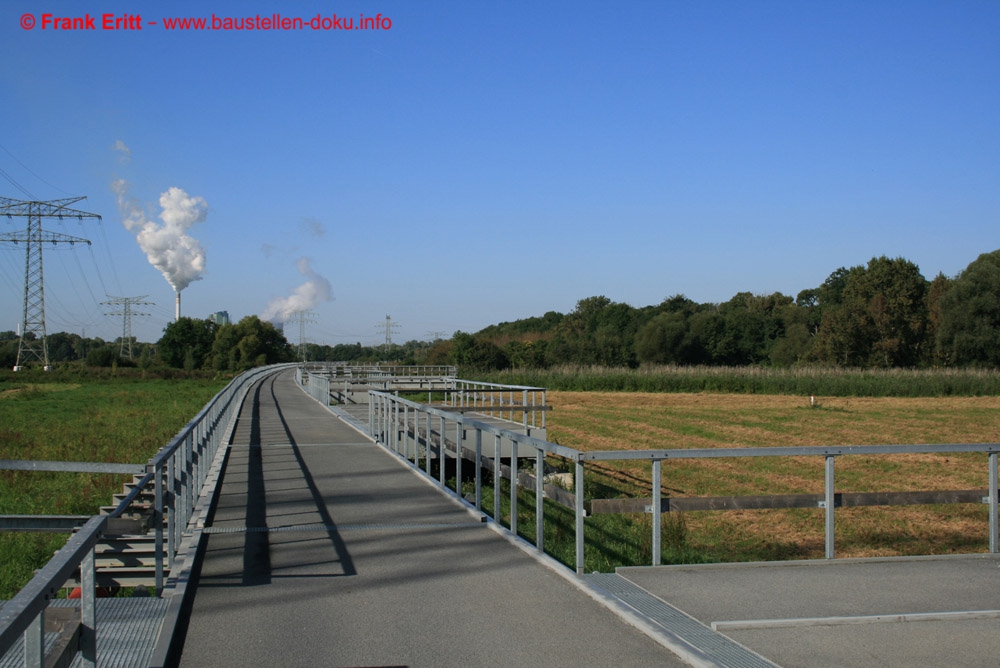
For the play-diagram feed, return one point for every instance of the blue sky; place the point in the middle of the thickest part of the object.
(481, 162)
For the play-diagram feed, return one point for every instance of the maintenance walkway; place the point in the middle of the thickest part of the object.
(326, 550)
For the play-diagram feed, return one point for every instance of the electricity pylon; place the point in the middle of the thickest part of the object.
(126, 304)
(388, 326)
(303, 318)
(32, 344)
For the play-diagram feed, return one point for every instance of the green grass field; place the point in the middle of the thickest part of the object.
(124, 419)
(127, 419)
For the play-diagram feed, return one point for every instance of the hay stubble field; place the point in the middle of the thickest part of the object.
(634, 421)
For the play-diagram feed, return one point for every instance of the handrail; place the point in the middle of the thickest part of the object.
(178, 471)
(399, 423)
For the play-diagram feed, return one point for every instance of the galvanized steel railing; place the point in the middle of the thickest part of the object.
(177, 473)
(402, 425)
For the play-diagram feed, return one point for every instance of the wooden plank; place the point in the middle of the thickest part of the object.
(778, 501)
(492, 409)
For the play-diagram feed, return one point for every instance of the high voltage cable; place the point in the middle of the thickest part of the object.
(29, 170)
(14, 183)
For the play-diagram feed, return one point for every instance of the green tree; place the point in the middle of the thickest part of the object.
(969, 333)
(187, 342)
(250, 342)
(881, 317)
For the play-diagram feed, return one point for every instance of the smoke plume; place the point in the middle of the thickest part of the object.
(316, 289)
(179, 257)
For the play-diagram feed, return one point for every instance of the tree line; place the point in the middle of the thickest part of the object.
(881, 315)
(884, 314)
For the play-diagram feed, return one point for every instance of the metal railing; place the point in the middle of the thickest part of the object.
(177, 473)
(497, 399)
(418, 433)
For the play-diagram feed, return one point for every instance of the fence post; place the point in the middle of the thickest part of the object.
(578, 493)
(829, 506)
(657, 514)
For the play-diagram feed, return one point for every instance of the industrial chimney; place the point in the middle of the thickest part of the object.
(177, 307)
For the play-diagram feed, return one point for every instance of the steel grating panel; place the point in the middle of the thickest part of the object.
(345, 527)
(126, 632)
(712, 646)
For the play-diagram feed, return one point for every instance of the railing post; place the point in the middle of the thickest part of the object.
(578, 493)
(524, 409)
(34, 642)
(88, 610)
(657, 513)
(994, 528)
(497, 477)
(513, 486)
(479, 469)
(441, 432)
(427, 444)
(829, 506)
(459, 449)
(158, 523)
(540, 499)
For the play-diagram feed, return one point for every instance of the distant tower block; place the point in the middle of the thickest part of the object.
(33, 344)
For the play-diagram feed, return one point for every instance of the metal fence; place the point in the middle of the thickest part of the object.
(418, 433)
(177, 473)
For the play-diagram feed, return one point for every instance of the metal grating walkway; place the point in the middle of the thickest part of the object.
(126, 632)
(701, 641)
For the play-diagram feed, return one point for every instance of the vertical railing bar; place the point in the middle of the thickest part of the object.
(497, 477)
(994, 483)
(479, 469)
(427, 444)
(441, 453)
(540, 499)
(459, 450)
(34, 642)
(513, 486)
(578, 493)
(657, 513)
(88, 610)
(829, 484)
(158, 515)
(524, 409)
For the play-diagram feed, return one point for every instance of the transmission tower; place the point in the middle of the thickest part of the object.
(32, 344)
(388, 326)
(126, 304)
(303, 317)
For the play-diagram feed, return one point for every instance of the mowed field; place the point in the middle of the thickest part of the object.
(634, 421)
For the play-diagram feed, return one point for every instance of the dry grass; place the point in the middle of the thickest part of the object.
(634, 421)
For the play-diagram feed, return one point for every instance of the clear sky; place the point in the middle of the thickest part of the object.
(478, 162)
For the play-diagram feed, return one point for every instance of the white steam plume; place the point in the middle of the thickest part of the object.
(316, 289)
(180, 258)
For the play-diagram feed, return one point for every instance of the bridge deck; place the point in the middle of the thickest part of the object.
(324, 549)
